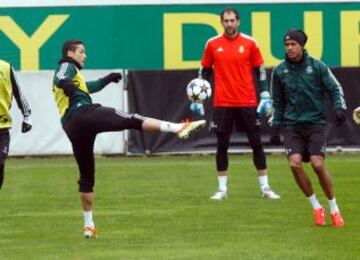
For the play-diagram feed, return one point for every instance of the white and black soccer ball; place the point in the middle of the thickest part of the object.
(198, 90)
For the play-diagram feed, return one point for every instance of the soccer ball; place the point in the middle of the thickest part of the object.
(198, 90)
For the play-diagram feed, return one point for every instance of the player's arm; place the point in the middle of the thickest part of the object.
(257, 62)
(264, 107)
(278, 98)
(336, 93)
(334, 88)
(205, 72)
(19, 96)
(207, 62)
(21, 102)
(261, 78)
(63, 78)
(97, 85)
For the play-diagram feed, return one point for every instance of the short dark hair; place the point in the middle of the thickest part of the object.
(230, 10)
(70, 45)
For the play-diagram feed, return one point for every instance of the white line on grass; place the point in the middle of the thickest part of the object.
(155, 163)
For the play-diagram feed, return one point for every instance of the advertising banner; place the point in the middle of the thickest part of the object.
(157, 37)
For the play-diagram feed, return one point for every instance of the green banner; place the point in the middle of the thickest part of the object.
(172, 36)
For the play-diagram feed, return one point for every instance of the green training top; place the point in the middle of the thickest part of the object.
(68, 69)
(298, 92)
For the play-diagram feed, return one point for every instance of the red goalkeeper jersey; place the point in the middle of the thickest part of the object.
(233, 60)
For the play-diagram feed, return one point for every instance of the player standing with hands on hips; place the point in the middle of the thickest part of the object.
(10, 88)
(82, 120)
(233, 56)
(299, 84)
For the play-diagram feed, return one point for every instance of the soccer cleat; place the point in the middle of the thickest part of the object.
(319, 215)
(337, 220)
(269, 194)
(90, 232)
(189, 127)
(219, 195)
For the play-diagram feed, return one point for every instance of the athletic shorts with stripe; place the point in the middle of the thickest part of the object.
(82, 129)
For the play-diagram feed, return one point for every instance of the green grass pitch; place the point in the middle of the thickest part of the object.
(159, 208)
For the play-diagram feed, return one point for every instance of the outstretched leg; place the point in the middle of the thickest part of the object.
(106, 119)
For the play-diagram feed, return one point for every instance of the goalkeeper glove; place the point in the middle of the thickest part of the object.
(264, 107)
(197, 108)
(356, 115)
(26, 124)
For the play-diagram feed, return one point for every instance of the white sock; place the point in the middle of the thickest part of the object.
(264, 182)
(222, 183)
(314, 202)
(88, 219)
(170, 127)
(333, 206)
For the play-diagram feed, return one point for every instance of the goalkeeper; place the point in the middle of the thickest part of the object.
(82, 120)
(234, 56)
(299, 85)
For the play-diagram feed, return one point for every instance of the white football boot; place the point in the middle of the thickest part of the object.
(219, 195)
(269, 194)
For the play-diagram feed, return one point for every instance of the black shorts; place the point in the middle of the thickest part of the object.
(244, 119)
(94, 119)
(4, 144)
(307, 141)
(82, 129)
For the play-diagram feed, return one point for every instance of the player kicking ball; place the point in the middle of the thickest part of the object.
(82, 120)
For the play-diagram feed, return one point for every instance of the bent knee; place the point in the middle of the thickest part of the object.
(317, 165)
(296, 166)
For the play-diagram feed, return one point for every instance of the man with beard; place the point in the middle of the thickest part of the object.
(234, 56)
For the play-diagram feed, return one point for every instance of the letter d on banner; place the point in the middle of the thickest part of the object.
(173, 37)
